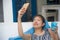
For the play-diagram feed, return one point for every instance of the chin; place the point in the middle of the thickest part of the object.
(36, 27)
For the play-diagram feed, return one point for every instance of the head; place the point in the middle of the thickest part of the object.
(38, 21)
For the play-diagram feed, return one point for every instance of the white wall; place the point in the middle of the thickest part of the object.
(8, 28)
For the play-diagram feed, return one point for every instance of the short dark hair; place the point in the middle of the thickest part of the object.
(43, 19)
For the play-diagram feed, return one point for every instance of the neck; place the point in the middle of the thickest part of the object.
(38, 30)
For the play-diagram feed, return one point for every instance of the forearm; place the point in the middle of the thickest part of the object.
(20, 29)
(56, 36)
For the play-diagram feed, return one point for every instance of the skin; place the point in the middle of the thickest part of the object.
(37, 23)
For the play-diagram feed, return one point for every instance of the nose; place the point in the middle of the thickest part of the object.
(36, 22)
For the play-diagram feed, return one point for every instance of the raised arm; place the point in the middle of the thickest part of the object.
(20, 14)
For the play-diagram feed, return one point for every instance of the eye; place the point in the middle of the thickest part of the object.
(39, 20)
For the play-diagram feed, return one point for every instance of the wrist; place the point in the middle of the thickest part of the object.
(19, 19)
(19, 16)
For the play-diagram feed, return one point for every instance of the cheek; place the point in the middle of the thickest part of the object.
(39, 23)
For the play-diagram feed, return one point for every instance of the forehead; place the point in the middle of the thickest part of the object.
(37, 17)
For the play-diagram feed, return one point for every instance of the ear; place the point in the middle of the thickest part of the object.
(43, 24)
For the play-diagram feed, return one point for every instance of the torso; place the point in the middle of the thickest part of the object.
(46, 36)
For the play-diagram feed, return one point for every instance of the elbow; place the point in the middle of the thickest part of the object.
(21, 35)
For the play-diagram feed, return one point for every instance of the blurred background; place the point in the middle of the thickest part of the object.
(50, 9)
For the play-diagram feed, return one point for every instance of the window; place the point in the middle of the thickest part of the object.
(52, 14)
(31, 11)
(53, 2)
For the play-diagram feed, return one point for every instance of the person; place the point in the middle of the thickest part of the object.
(38, 25)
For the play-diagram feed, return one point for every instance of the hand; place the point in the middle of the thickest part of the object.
(23, 10)
(56, 30)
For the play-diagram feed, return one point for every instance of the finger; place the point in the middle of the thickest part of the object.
(23, 9)
(57, 28)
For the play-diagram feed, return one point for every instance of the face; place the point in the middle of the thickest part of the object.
(37, 22)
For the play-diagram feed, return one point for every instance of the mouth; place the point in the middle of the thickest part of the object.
(35, 24)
